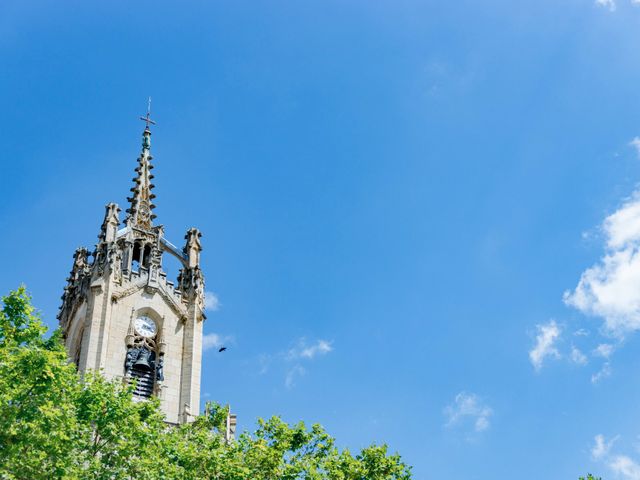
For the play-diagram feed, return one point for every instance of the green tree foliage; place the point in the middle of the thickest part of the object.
(55, 425)
(590, 477)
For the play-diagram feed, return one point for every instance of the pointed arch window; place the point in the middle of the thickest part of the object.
(136, 256)
(146, 256)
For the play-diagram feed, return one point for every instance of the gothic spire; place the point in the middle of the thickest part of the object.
(141, 209)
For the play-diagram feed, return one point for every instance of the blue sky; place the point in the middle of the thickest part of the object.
(421, 219)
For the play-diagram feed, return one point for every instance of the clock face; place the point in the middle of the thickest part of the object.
(145, 326)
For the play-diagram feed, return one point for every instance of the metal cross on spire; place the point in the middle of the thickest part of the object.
(147, 119)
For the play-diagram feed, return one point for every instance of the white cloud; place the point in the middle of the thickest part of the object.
(625, 466)
(604, 372)
(290, 361)
(302, 351)
(578, 357)
(582, 332)
(635, 143)
(309, 352)
(601, 447)
(211, 301)
(610, 4)
(548, 334)
(621, 465)
(609, 289)
(321, 348)
(213, 340)
(468, 407)
(264, 360)
(623, 226)
(482, 423)
(293, 373)
(604, 350)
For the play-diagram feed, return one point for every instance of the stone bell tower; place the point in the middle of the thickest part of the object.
(122, 316)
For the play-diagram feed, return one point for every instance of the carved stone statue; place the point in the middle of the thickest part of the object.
(160, 369)
(132, 356)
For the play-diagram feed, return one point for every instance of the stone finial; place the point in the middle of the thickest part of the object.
(80, 261)
(193, 247)
(110, 224)
(129, 338)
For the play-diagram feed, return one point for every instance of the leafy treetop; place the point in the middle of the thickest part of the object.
(55, 424)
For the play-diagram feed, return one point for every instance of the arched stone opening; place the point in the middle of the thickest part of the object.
(144, 360)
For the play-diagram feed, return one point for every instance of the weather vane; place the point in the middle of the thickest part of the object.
(147, 119)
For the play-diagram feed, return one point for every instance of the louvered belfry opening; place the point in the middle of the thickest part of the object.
(144, 376)
(142, 365)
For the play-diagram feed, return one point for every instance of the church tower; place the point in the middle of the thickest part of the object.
(121, 315)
